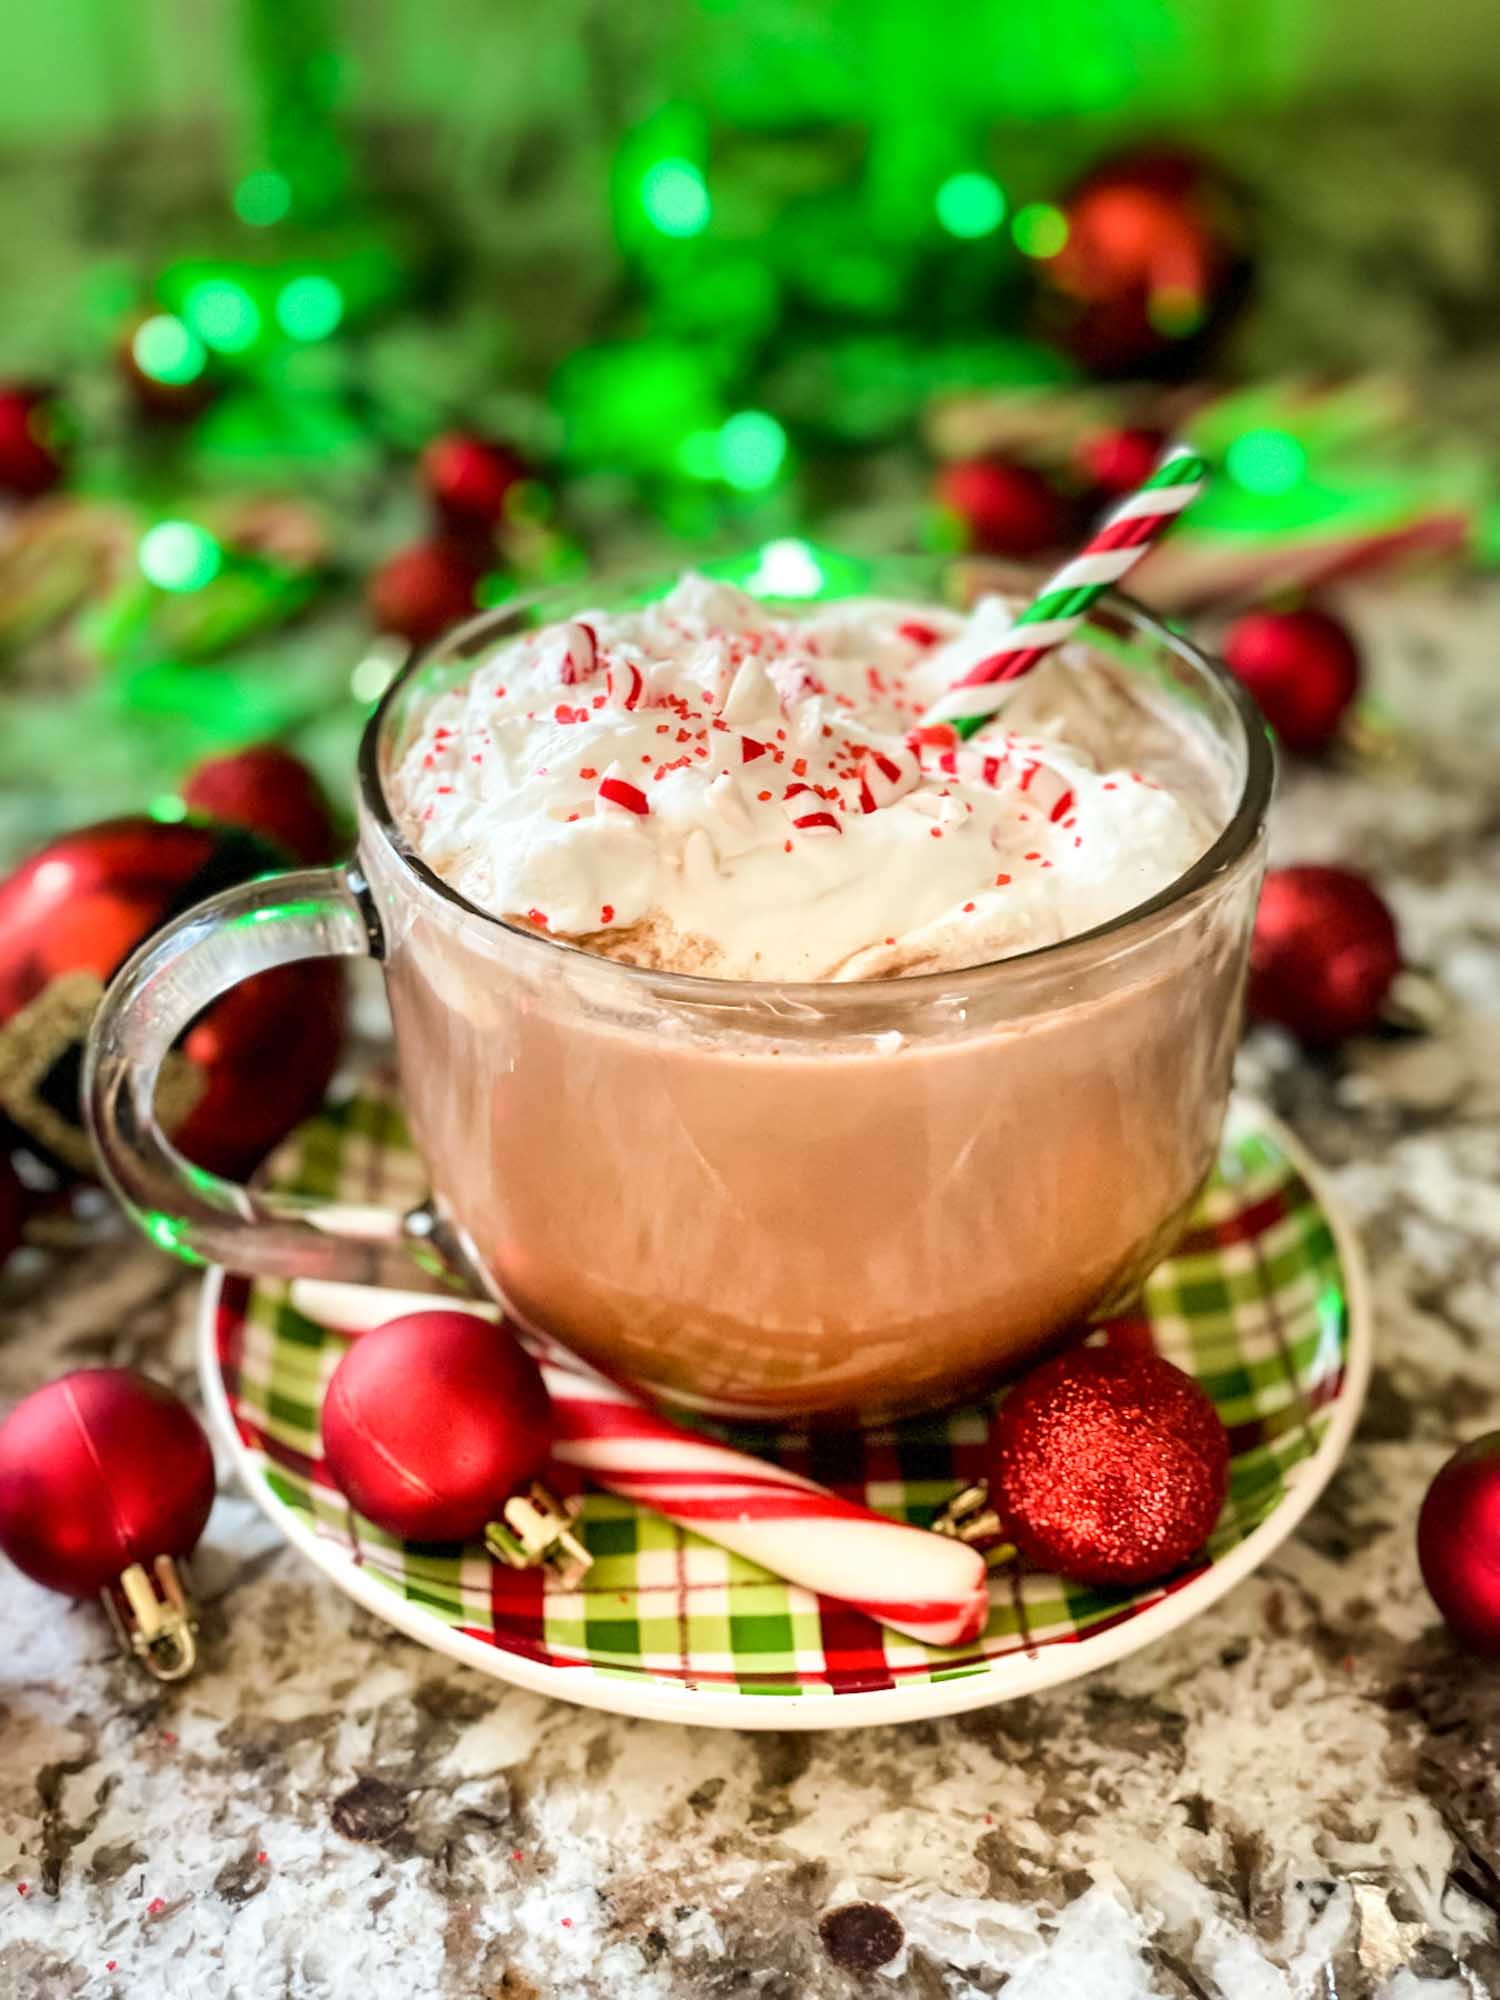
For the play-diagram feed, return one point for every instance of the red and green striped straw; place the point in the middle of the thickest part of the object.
(1057, 610)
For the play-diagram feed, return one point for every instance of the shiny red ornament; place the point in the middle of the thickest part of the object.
(422, 591)
(432, 1421)
(31, 459)
(1155, 262)
(1324, 953)
(1108, 1467)
(1005, 509)
(1114, 462)
(1458, 1544)
(268, 790)
(469, 479)
(253, 1064)
(99, 1470)
(1303, 669)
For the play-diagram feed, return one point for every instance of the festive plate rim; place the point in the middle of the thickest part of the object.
(1017, 1673)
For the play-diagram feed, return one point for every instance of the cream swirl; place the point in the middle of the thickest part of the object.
(701, 784)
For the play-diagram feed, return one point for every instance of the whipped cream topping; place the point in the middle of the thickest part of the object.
(702, 785)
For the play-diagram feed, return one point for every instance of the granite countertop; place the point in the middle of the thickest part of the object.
(1296, 1795)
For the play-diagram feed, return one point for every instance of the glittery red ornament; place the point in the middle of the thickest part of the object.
(250, 1067)
(1155, 261)
(99, 1470)
(1458, 1543)
(268, 790)
(1005, 509)
(1108, 1467)
(468, 478)
(420, 592)
(30, 453)
(1115, 462)
(431, 1421)
(1303, 669)
(1323, 955)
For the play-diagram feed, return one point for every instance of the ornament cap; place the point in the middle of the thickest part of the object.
(536, 1529)
(969, 1517)
(156, 1621)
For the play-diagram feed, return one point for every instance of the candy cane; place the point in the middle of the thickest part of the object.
(1057, 610)
(927, 1586)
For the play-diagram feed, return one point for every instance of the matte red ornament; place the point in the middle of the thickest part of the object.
(1303, 669)
(432, 1421)
(1005, 509)
(31, 459)
(1115, 462)
(268, 790)
(253, 1064)
(1324, 953)
(106, 1481)
(1108, 1467)
(422, 591)
(469, 477)
(1458, 1544)
(1155, 262)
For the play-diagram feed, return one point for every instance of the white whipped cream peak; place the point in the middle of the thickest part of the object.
(706, 785)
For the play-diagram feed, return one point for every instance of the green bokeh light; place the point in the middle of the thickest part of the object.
(167, 807)
(224, 315)
(263, 198)
(309, 308)
(168, 350)
(752, 450)
(1040, 229)
(674, 195)
(970, 205)
(179, 555)
(1267, 462)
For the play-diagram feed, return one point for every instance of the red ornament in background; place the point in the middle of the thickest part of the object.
(1324, 953)
(420, 592)
(1458, 1543)
(252, 1065)
(468, 479)
(106, 1481)
(1303, 669)
(1115, 462)
(30, 453)
(1006, 509)
(1155, 262)
(432, 1421)
(1108, 1467)
(268, 790)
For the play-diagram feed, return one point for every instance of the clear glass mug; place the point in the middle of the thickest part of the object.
(761, 1200)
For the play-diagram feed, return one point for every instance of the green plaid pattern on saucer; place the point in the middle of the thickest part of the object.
(1252, 1303)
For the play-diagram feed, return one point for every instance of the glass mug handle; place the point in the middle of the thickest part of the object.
(314, 913)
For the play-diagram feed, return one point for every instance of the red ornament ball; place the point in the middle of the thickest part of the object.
(469, 478)
(31, 460)
(253, 1064)
(268, 790)
(431, 1421)
(1155, 262)
(1005, 509)
(1303, 669)
(1114, 462)
(1323, 955)
(1108, 1467)
(99, 1470)
(1458, 1544)
(421, 592)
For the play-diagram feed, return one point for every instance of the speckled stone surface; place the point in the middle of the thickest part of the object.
(1297, 1795)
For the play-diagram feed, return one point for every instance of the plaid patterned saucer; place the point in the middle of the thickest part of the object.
(1263, 1301)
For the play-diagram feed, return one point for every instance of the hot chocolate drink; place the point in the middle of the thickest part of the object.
(877, 1145)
